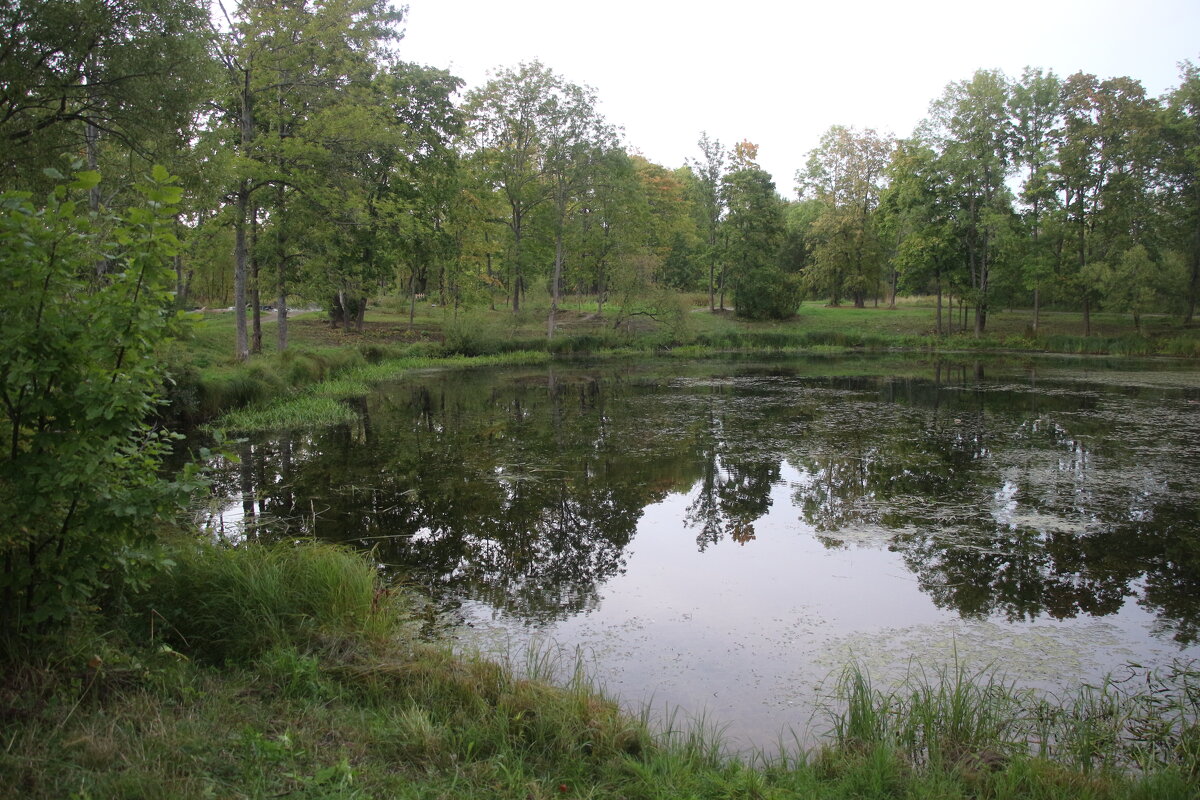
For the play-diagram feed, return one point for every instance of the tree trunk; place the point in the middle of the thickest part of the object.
(712, 285)
(255, 291)
(939, 307)
(246, 122)
(1037, 309)
(412, 298)
(555, 280)
(281, 307)
(360, 313)
(517, 276)
(281, 314)
(241, 346)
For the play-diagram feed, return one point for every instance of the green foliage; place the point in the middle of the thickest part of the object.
(1134, 283)
(84, 305)
(768, 293)
(135, 69)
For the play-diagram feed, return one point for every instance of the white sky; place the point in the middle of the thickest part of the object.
(779, 73)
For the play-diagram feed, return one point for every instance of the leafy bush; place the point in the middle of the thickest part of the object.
(768, 293)
(85, 303)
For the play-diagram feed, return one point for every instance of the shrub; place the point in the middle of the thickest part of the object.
(768, 293)
(86, 305)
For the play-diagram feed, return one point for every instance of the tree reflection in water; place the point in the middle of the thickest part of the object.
(1020, 495)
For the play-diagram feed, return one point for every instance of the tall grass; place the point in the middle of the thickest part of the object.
(221, 603)
(955, 719)
(308, 411)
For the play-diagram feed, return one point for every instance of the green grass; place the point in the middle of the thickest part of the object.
(208, 383)
(308, 411)
(317, 405)
(292, 671)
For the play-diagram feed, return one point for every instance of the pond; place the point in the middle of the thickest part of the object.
(723, 536)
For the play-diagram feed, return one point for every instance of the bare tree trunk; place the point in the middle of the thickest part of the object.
(517, 276)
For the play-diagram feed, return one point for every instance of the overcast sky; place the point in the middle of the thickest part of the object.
(780, 74)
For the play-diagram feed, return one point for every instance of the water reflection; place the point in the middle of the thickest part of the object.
(1008, 491)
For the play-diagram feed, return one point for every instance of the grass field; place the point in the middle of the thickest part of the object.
(913, 318)
(281, 389)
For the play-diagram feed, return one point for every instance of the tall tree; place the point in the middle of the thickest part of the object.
(846, 174)
(286, 60)
(918, 213)
(577, 138)
(970, 128)
(754, 230)
(1104, 173)
(1035, 104)
(1181, 168)
(506, 123)
(710, 171)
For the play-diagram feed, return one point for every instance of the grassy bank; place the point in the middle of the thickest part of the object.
(292, 672)
(282, 387)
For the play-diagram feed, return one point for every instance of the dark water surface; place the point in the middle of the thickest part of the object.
(721, 536)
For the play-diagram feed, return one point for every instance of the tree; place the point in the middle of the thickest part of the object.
(1104, 174)
(610, 226)
(387, 180)
(710, 171)
(506, 123)
(287, 62)
(671, 230)
(1181, 170)
(918, 213)
(970, 129)
(76, 72)
(1133, 282)
(1035, 107)
(754, 229)
(577, 138)
(79, 378)
(846, 173)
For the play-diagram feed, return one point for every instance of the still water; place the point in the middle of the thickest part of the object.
(721, 537)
